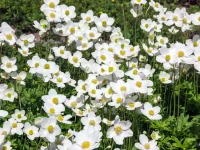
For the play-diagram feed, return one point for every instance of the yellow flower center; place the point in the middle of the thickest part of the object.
(93, 91)
(30, 132)
(162, 41)
(26, 42)
(9, 36)
(167, 57)
(135, 72)
(36, 65)
(85, 144)
(198, 58)
(19, 116)
(94, 81)
(84, 87)
(74, 104)
(184, 21)
(92, 122)
(67, 12)
(199, 18)
(180, 54)
(149, 51)
(131, 104)
(163, 79)
(72, 30)
(24, 52)
(14, 125)
(60, 80)
(80, 112)
(4, 133)
(151, 112)
(52, 5)
(122, 52)
(104, 23)
(175, 18)
(151, 36)
(102, 70)
(8, 65)
(123, 88)
(156, 5)
(139, 84)
(111, 69)
(110, 91)
(5, 147)
(62, 51)
(44, 26)
(88, 19)
(146, 25)
(9, 95)
(50, 128)
(46, 66)
(118, 129)
(103, 57)
(91, 34)
(60, 118)
(122, 45)
(119, 100)
(163, 18)
(84, 45)
(75, 59)
(52, 15)
(195, 44)
(52, 110)
(55, 100)
(147, 146)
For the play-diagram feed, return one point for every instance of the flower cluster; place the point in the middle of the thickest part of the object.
(118, 77)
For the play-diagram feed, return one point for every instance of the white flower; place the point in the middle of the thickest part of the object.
(87, 139)
(49, 129)
(64, 119)
(146, 25)
(119, 131)
(164, 77)
(49, 4)
(43, 26)
(3, 113)
(104, 23)
(151, 112)
(16, 128)
(195, 18)
(31, 131)
(26, 41)
(68, 12)
(3, 88)
(8, 65)
(53, 16)
(145, 144)
(34, 64)
(61, 52)
(75, 60)
(10, 95)
(132, 104)
(136, 11)
(155, 136)
(19, 77)
(24, 51)
(167, 56)
(19, 116)
(6, 146)
(7, 33)
(91, 121)
(88, 17)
